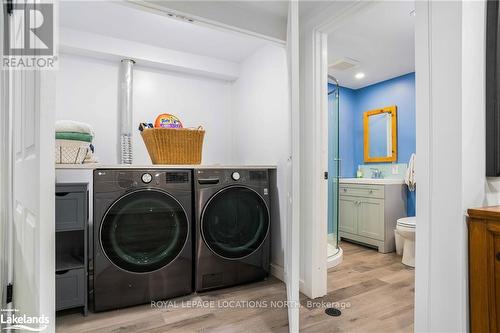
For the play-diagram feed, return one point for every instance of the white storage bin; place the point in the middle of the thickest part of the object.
(71, 151)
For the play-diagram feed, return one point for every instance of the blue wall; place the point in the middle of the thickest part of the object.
(399, 91)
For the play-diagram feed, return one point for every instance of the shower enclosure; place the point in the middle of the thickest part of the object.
(333, 250)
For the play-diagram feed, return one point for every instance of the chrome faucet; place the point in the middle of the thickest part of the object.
(376, 173)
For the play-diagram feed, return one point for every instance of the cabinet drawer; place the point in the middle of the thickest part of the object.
(71, 211)
(70, 288)
(367, 191)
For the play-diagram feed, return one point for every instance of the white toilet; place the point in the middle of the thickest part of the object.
(405, 239)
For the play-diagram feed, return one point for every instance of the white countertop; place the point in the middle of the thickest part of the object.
(372, 181)
(92, 166)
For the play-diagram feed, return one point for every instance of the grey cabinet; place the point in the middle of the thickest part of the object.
(371, 218)
(348, 214)
(368, 213)
(70, 209)
(70, 288)
(71, 246)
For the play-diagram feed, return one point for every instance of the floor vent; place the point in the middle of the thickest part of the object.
(333, 312)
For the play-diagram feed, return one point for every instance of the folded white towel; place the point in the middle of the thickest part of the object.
(73, 126)
(410, 173)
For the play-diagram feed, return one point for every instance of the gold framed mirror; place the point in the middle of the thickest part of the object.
(380, 135)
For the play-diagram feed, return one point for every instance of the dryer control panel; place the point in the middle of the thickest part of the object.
(210, 177)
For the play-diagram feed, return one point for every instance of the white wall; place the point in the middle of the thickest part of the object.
(451, 157)
(87, 91)
(114, 49)
(261, 126)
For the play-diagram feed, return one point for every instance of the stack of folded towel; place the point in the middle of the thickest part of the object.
(74, 142)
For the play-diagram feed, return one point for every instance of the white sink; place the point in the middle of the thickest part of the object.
(371, 181)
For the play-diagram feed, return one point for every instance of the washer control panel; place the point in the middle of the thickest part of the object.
(236, 175)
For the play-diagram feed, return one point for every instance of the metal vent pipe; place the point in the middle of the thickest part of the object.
(125, 111)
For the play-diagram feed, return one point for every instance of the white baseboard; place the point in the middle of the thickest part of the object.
(278, 272)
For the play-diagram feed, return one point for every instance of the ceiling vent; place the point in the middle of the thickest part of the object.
(343, 64)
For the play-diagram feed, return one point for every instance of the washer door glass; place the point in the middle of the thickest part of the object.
(235, 222)
(144, 231)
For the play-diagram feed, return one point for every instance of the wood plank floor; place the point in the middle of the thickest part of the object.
(375, 289)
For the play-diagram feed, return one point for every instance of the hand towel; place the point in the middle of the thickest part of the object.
(73, 126)
(410, 173)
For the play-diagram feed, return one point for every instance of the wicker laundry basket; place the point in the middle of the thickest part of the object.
(174, 145)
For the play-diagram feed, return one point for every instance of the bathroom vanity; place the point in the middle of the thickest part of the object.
(369, 209)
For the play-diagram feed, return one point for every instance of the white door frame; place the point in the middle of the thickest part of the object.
(5, 179)
(445, 33)
(314, 277)
(292, 253)
(314, 203)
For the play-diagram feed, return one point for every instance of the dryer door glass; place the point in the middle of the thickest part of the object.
(235, 222)
(144, 231)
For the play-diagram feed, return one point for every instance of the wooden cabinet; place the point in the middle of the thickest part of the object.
(484, 269)
(368, 213)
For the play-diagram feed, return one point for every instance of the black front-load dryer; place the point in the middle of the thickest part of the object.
(232, 227)
(142, 236)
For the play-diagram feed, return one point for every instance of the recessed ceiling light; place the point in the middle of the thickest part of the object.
(359, 75)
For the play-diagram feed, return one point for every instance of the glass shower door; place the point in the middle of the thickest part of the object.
(333, 166)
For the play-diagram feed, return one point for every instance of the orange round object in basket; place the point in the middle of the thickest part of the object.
(166, 120)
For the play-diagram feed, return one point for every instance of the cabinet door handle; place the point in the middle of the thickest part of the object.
(498, 256)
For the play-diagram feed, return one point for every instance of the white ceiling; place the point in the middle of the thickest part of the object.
(280, 8)
(126, 22)
(265, 17)
(380, 37)
(277, 8)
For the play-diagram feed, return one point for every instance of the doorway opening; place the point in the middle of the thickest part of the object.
(371, 140)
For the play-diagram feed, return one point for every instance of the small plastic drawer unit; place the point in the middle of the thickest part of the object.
(71, 246)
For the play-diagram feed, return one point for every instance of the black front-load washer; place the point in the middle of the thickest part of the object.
(142, 236)
(232, 227)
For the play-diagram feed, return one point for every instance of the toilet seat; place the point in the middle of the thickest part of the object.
(408, 222)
